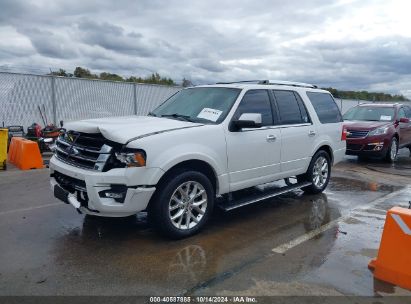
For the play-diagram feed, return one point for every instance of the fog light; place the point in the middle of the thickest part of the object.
(378, 145)
(117, 192)
(113, 195)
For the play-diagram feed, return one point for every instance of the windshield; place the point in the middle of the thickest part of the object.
(370, 113)
(205, 105)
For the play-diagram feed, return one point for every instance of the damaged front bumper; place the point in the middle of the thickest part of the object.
(115, 193)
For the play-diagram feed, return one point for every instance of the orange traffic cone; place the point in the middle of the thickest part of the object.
(393, 263)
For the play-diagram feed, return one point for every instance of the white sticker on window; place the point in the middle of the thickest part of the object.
(210, 114)
(385, 117)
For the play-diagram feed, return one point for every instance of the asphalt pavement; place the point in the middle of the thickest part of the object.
(294, 244)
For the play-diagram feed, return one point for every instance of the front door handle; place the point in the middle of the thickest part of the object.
(271, 137)
(311, 133)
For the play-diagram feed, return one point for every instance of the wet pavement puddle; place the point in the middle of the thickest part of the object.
(53, 250)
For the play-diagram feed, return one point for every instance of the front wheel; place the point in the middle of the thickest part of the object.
(182, 204)
(392, 150)
(318, 173)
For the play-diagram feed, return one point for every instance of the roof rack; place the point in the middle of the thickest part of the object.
(242, 81)
(289, 83)
(276, 82)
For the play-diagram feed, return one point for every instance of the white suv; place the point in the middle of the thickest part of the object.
(197, 149)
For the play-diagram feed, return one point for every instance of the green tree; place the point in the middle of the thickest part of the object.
(186, 83)
(109, 76)
(83, 73)
(365, 95)
(60, 72)
(80, 72)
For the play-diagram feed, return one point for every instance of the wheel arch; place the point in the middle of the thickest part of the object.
(195, 165)
(327, 148)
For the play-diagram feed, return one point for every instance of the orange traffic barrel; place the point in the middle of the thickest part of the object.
(393, 262)
(14, 143)
(25, 154)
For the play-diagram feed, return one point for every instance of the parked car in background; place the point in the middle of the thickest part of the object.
(378, 130)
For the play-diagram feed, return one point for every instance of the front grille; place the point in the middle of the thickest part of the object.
(357, 134)
(354, 147)
(87, 151)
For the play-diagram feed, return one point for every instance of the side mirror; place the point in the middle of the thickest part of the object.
(404, 120)
(246, 120)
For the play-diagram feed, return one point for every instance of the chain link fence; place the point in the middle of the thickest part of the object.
(66, 99)
(62, 98)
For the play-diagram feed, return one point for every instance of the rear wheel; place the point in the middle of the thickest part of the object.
(182, 204)
(392, 150)
(318, 173)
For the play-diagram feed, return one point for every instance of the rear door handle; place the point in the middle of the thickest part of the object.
(311, 133)
(271, 137)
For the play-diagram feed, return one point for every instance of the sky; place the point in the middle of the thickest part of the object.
(345, 44)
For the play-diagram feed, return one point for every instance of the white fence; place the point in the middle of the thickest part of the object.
(73, 98)
(65, 99)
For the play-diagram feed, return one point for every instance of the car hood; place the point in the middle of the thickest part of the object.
(125, 129)
(365, 125)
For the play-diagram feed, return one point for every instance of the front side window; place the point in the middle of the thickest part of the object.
(289, 109)
(370, 113)
(256, 101)
(325, 107)
(205, 105)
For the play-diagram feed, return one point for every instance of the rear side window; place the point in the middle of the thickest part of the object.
(325, 107)
(303, 110)
(256, 101)
(290, 107)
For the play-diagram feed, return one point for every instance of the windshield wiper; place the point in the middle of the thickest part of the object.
(176, 115)
(152, 114)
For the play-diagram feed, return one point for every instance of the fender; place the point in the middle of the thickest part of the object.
(320, 144)
(215, 162)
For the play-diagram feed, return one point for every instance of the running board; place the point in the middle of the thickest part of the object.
(234, 203)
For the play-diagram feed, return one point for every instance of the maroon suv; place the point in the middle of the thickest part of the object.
(378, 130)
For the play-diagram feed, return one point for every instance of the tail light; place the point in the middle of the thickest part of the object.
(344, 133)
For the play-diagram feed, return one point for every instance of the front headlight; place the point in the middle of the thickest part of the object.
(132, 158)
(378, 131)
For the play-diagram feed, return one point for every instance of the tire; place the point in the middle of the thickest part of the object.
(177, 214)
(317, 185)
(392, 151)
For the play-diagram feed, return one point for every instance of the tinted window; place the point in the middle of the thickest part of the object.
(325, 107)
(407, 111)
(256, 101)
(303, 110)
(288, 107)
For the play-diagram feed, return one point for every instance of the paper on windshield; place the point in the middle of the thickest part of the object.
(210, 114)
(385, 117)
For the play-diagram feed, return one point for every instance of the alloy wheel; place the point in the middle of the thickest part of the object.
(320, 172)
(188, 205)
